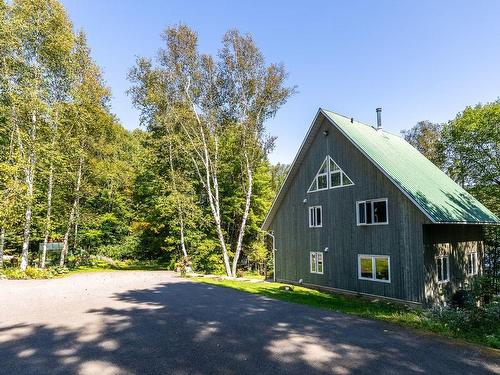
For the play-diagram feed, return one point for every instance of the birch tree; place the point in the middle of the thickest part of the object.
(236, 91)
(88, 117)
(41, 30)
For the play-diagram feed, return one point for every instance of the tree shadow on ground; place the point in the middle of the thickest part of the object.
(183, 327)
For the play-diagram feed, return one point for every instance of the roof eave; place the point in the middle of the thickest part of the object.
(270, 214)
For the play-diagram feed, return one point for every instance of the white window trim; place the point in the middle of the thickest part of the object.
(447, 257)
(475, 267)
(318, 254)
(313, 208)
(372, 201)
(373, 257)
(328, 176)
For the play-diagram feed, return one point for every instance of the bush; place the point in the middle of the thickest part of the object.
(31, 273)
(482, 323)
(128, 249)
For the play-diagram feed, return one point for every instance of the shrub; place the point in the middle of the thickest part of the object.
(128, 249)
(31, 273)
(476, 322)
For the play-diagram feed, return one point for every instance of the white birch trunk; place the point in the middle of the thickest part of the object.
(72, 214)
(241, 234)
(179, 208)
(48, 218)
(2, 243)
(183, 245)
(29, 180)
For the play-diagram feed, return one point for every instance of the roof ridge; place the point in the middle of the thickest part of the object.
(363, 123)
(349, 118)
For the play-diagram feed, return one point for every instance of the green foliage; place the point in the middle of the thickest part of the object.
(127, 248)
(477, 323)
(472, 142)
(30, 273)
(425, 136)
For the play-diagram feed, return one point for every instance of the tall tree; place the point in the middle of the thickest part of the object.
(41, 31)
(206, 99)
(425, 136)
(472, 142)
(88, 119)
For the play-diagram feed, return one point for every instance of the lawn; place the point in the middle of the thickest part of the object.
(373, 309)
(95, 266)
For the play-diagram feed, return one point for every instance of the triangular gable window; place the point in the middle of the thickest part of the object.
(329, 176)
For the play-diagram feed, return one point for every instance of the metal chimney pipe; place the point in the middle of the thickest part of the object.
(379, 118)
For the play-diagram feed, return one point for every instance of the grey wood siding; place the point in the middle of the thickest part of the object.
(455, 241)
(401, 239)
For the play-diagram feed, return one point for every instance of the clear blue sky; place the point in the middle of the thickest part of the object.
(419, 60)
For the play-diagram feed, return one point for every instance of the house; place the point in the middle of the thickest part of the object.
(363, 211)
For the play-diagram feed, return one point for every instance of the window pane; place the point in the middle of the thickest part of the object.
(320, 262)
(366, 267)
(333, 166)
(318, 216)
(361, 212)
(313, 262)
(314, 185)
(439, 269)
(311, 217)
(335, 179)
(322, 182)
(382, 268)
(445, 269)
(368, 212)
(380, 212)
(346, 180)
(324, 168)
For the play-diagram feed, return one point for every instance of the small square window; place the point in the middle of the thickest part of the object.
(471, 264)
(315, 217)
(443, 269)
(316, 262)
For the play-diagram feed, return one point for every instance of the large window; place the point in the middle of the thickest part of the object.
(472, 264)
(316, 262)
(372, 212)
(315, 217)
(374, 268)
(443, 269)
(329, 176)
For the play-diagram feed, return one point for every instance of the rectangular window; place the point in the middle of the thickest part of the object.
(315, 217)
(443, 269)
(374, 268)
(472, 264)
(372, 212)
(316, 261)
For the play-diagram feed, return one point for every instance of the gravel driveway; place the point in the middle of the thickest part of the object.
(155, 323)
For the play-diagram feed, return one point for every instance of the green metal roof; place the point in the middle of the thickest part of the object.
(437, 195)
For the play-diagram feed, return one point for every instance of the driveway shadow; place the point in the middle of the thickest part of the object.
(181, 327)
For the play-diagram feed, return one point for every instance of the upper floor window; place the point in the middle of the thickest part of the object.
(443, 268)
(315, 217)
(472, 264)
(329, 176)
(372, 212)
